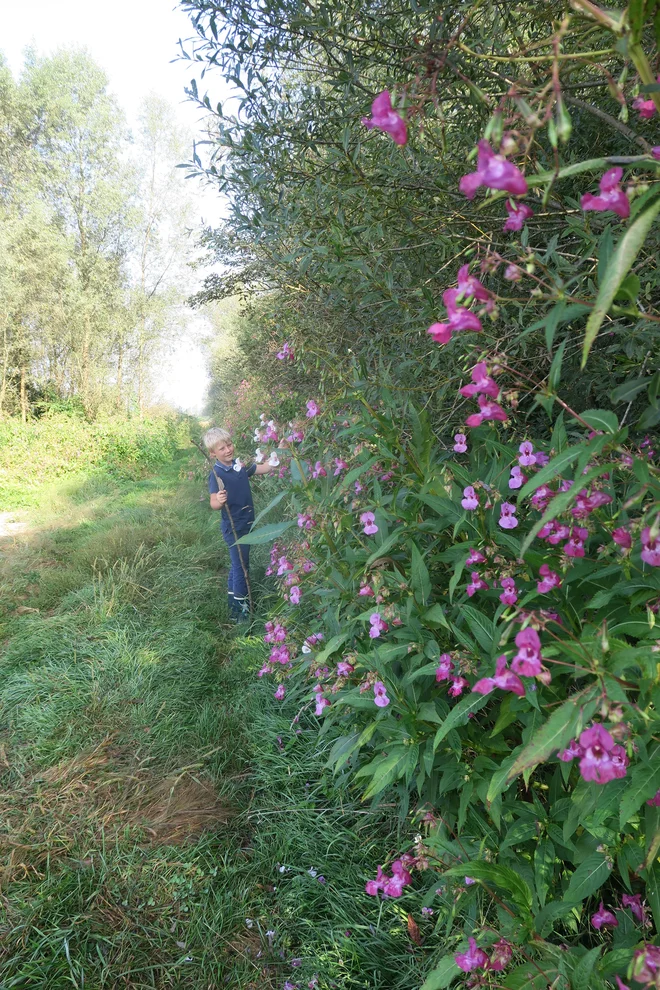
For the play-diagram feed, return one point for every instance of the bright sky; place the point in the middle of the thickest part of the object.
(135, 41)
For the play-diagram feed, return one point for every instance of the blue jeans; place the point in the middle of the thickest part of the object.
(236, 583)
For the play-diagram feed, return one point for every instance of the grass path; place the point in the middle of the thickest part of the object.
(162, 822)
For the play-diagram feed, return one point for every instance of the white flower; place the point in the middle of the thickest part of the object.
(257, 436)
(273, 460)
(249, 922)
(312, 872)
(237, 464)
(306, 648)
(258, 456)
(262, 418)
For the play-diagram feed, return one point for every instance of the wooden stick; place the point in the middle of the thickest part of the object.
(225, 508)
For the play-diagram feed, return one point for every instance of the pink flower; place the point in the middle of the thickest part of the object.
(541, 498)
(377, 625)
(481, 382)
(474, 958)
(512, 273)
(312, 409)
(549, 580)
(527, 456)
(510, 595)
(458, 685)
(380, 692)
(650, 547)
(385, 118)
(559, 533)
(284, 566)
(518, 214)
(373, 886)
(294, 595)
(366, 591)
(507, 518)
(469, 881)
(318, 471)
(459, 318)
(344, 668)
(612, 196)
(487, 410)
(445, 668)
(517, 479)
(654, 802)
(572, 750)
(575, 545)
(541, 458)
(279, 694)
(494, 172)
(656, 152)
(339, 466)
(321, 705)
(598, 748)
(474, 557)
(645, 108)
(305, 521)
(476, 584)
(460, 445)
(470, 500)
(527, 660)
(622, 537)
(637, 909)
(646, 964)
(604, 918)
(504, 679)
(469, 285)
(368, 520)
(501, 956)
(286, 353)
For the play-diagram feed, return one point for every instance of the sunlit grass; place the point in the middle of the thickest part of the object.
(159, 815)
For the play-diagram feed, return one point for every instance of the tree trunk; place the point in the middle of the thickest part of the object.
(5, 362)
(24, 404)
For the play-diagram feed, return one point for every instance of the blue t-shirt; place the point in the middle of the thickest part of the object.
(239, 496)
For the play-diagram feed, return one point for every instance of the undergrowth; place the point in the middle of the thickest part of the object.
(163, 822)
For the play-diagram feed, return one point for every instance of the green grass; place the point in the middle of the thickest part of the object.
(153, 796)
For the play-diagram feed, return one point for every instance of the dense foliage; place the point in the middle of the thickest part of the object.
(470, 603)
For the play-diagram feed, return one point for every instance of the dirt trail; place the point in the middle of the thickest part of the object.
(9, 525)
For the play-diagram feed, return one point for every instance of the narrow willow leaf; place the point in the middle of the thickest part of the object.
(620, 264)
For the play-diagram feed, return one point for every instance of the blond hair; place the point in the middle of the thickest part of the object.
(214, 436)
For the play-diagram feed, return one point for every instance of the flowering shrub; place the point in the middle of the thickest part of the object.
(500, 682)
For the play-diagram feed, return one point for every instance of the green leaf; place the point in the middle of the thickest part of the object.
(581, 977)
(644, 782)
(534, 976)
(629, 389)
(385, 546)
(355, 473)
(544, 867)
(601, 419)
(588, 878)
(481, 627)
(442, 975)
(557, 731)
(506, 879)
(555, 368)
(550, 471)
(266, 533)
(419, 576)
(271, 505)
(459, 715)
(333, 644)
(620, 264)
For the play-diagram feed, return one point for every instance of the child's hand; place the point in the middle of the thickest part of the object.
(222, 497)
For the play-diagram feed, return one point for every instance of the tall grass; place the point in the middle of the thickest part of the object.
(163, 822)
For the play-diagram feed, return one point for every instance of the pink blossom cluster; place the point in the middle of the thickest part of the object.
(321, 702)
(486, 390)
(645, 108)
(368, 521)
(311, 642)
(376, 625)
(391, 886)
(612, 197)
(554, 532)
(476, 958)
(651, 545)
(305, 521)
(646, 966)
(458, 317)
(601, 759)
(527, 662)
(447, 671)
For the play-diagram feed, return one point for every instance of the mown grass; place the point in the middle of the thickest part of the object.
(163, 822)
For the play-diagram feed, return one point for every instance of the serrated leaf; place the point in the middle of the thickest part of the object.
(620, 264)
(265, 534)
(644, 783)
(419, 576)
(588, 878)
(581, 977)
(271, 505)
(629, 389)
(503, 877)
(557, 732)
(443, 974)
(481, 627)
(601, 419)
(459, 715)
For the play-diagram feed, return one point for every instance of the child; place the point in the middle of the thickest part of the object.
(237, 497)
